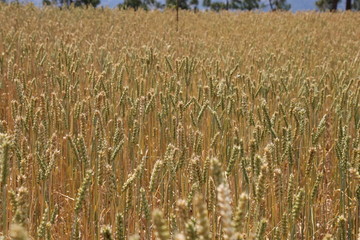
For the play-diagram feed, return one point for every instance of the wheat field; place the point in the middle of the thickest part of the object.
(128, 125)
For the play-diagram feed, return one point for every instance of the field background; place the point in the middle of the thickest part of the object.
(222, 126)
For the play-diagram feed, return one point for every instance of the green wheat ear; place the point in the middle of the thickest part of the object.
(260, 232)
(82, 192)
(299, 202)
(106, 233)
(239, 217)
(120, 231)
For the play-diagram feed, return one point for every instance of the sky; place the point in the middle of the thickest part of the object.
(303, 5)
(296, 5)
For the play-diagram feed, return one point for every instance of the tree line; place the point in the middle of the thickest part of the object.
(332, 5)
(274, 5)
(215, 5)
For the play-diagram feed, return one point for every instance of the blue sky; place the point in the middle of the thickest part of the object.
(302, 5)
(296, 5)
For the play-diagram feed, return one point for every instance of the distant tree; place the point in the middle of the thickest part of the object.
(334, 5)
(76, 3)
(348, 5)
(246, 4)
(324, 5)
(356, 5)
(207, 3)
(218, 6)
(276, 5)
(47, 2)
(194, 4)
(136, 4)
(87, 3)
(183, 4)
(234, 4)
